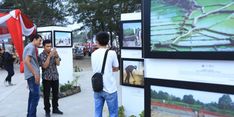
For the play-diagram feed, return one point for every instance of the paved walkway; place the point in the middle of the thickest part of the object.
(13, 99)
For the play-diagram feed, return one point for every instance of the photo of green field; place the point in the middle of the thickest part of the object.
(176, 102)
(192, 25)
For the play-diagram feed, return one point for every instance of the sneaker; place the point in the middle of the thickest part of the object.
(5, 83)
(10, 84)
(47, 114)
(57, 111)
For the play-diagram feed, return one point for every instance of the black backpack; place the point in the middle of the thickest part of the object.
(97, 78)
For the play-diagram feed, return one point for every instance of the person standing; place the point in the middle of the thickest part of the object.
(109, 93)
(8, 64)
(49, 60)
(32, 73)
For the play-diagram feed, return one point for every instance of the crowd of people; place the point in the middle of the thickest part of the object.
(46, 63)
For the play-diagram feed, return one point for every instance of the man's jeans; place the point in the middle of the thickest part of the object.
(111, 100)
(33, 97)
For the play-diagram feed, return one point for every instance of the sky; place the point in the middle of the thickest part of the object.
(202, 96)
(74, 26)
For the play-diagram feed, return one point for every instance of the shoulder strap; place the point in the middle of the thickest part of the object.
(104, 61)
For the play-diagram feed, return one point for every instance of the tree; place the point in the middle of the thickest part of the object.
(174, 98)
(153, 94)
(41, 12)
(225, 102)
(102, 15)
(188, 99)
(163, 95)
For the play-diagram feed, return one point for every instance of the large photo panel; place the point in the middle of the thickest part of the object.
(189, 29)
(170, 99)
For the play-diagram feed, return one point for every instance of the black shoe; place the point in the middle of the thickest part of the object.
(47, 114)
(57, 111)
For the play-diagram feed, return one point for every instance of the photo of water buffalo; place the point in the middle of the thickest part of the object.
(132, 72)
(46, 35)
(177, 102)
(192, 25)
(63, 39)
(132, 34)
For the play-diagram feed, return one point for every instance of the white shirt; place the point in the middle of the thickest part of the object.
(109, 81)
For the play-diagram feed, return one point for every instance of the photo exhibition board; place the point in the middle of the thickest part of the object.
(207, 71)
(126, 53)
(65, 68)
(129, 94)
(187, 99)
(189, 29)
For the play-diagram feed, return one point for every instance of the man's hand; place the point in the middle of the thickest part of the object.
(56, 53)
(37, 79)
(115, 69)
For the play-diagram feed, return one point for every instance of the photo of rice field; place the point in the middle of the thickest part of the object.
(133, 72)
(192, 25)
(176, 102)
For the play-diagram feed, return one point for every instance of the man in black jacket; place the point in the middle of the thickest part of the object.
(8, 60)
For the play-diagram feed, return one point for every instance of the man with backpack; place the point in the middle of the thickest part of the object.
(109, 92)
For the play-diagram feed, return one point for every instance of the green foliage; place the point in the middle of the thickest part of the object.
(225, 102)
(188, 99)
(66, 87)
(41, 12)
(142, 114)
(80, 37)
(121, 111)
(122, 114)
(101, 15)
(132, 116)
(77, 69)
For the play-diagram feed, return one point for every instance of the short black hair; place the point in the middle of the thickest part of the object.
(102, 38)
(47, 41)
(34, 36)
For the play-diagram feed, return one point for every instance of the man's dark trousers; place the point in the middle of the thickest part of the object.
(47, 86)
(10, 70)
